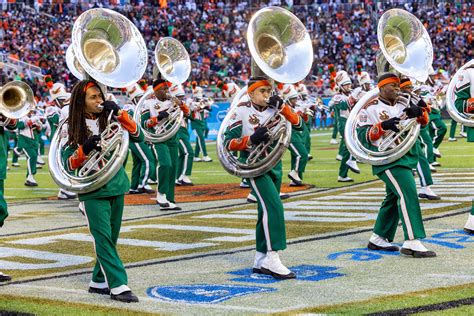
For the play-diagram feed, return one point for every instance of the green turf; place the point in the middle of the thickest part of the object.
(52, 308)
(408, 300)
(321, 171)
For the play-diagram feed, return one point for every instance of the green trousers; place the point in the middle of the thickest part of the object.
(104, 217)
(270, 229)
(3, 203)
(200, 142)
(30, 149)
(153, 172)
(423, 166)
(343, 151)
(143, 164)
(299, 157)
(15, 144)
(335, 129)
(452, 129)
(437, 131)
(401, 202)
(427, 144)
(185, 157)
(307, 137)
(167, 157)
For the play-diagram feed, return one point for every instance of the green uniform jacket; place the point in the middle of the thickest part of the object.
(409, 160)
(435, 114)
(53, 121)
(118, 185)
(3, 150)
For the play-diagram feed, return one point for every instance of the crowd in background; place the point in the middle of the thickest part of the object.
(214, 33)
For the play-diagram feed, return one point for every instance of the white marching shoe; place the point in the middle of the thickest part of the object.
(427, 193)
(352, 164)
(436, 152)
(184, 180)
(30, 181)
(206, 159)
(293, 175)
(379, 243)
(171, 207)
(463, 134)
(432, 169)
(40, 161)
(452, 139)
(339, 157)
(4, 277)
(244, 184)
(251, 198)
(469, 227)
(345, 179)
(66, 195)
(257, 263)
(150, 181)
(161, 200)
(272, 265)
(333, 141)
(416, 249)
(197, 159)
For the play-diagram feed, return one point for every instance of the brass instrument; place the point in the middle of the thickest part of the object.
(16, 100)
(460, 117)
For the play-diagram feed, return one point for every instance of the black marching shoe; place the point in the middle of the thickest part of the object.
(95, 290)
(5, 278)
(469, 231)
(373, 246)
(126, 297)
(417, 254)
(257, 271)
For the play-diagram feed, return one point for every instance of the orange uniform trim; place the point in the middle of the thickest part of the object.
(376, 131)
(184, 108)
(239, 144)
(387, 81)
(424, 118)
(77, 159)
(258, 84)
(128, 123)
(290, 115)
(152, 121)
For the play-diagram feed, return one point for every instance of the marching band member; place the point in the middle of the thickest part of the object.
(59, 98)
(185, 150)
(244, 130)
(167, 151)
(308, 110)
(198, 123)
(9, 124)
(401, 200)
(229, 89)
(299, 154)
(28, 128)
(104, 206)
(365, 85)
(142, 157)
(465, 104)
(437, 126)
(341, 104)
(423, 144)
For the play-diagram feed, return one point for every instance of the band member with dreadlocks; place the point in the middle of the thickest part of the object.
(144, 163)
(465, 104)
(9, 124)
(401, 200)
(244, 131)
(104, 206)
(156, 110)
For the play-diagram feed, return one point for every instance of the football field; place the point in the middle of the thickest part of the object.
(198, 260)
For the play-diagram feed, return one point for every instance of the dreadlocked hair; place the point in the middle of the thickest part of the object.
(77, 128)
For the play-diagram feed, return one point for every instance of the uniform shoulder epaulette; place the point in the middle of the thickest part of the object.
(246, 104)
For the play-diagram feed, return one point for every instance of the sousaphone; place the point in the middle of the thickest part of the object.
(281, 49)
(459, 116)
(406, 49)
(111, 51)
(16, 100)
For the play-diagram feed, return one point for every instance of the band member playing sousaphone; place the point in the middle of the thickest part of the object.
(244, 131)
(104, 206)
(401, 200)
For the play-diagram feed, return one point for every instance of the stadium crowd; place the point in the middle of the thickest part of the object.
(214, 35)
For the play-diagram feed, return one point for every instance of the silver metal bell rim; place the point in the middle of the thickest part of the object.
(181, 63)
(294, 39)
(131, 52)
(419, 49)
(70, 57)
(25, 104)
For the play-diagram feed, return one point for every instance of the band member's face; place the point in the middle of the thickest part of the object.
(162, 93)
(93, 100)
(261, 95)
(407, 89)
(293, 101)
(346, 87)
(390, 91)
(366, 86)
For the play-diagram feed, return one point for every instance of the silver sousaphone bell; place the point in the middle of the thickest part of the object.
(173, 63)
(458, 116)
(16, 100)
(111, 50)
(406, 49)
(281, 49)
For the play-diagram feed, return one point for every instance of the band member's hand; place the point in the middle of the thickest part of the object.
(422, 104)
(413, 111)
(260, 135)
(92, 143)
(3, 118)
(391, 124)
(275, 102)
(163, 115)
(111, 106)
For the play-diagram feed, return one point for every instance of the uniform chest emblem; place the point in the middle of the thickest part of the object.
(383, 116)
(157, 106)
(253, 119)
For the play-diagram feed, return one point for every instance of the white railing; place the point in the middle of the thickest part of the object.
(20, 65)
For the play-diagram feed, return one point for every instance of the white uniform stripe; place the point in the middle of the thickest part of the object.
(28, 163)
(199, 143)
(424, 147)
(298, 157)
(403, 205)
(147, 164)
(186, 157)
(157, 167)
(436, 130)
(421, 174)
(266, 229)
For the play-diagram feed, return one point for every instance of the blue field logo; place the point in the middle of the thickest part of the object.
(202, 293)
